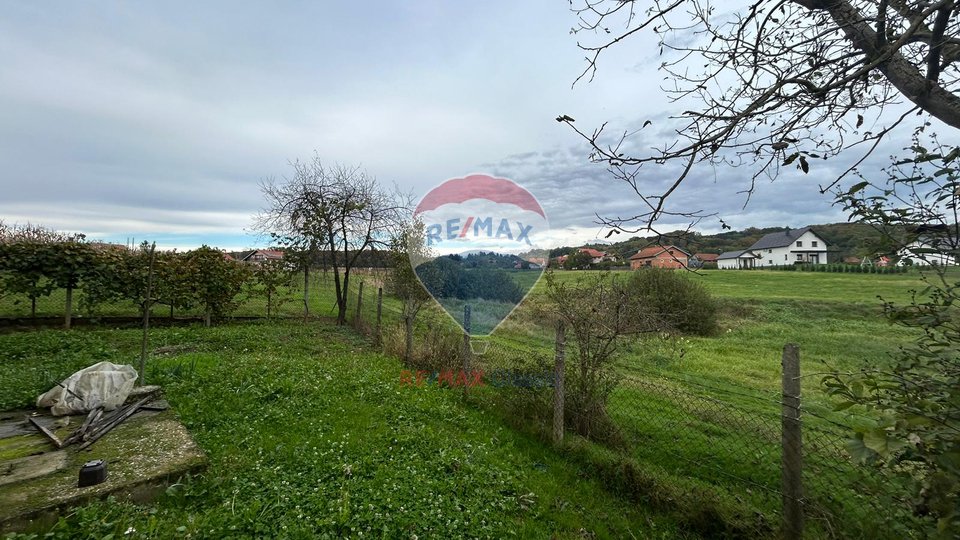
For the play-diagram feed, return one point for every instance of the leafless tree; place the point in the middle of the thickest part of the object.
(28, 232)
(599, 313)
(776, 83)
(339, 211)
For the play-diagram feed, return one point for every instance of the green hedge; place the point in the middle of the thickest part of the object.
(840, 268)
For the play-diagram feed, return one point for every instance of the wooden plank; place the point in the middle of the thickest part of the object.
(15, 429)
(50, 435)
(81, 433)
(123, 414)
(29, 467)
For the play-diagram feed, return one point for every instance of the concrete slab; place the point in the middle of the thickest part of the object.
(37, 482)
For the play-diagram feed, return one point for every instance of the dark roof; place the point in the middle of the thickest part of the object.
(736, 254)
(780, 239)
(242, 255)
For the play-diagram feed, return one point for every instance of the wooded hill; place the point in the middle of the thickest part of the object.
(843, 240)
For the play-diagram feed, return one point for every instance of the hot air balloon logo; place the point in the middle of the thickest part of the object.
(481, 249)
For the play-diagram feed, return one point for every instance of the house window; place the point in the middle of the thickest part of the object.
(799, 256)
(814, 243)
(769, 262)
(769, 251)
(784, 256)
(799, 243)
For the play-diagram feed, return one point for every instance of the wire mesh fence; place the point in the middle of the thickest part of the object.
(711, 447)
(718, 451)
(289, 301)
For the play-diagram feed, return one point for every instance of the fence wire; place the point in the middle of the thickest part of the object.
(718, 445)
(714, 444)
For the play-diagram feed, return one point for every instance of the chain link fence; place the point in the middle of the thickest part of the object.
(730, 460)
(733, 460)
(287, 302)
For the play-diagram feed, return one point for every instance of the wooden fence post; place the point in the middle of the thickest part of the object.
(792, 462)
(466, 346)
(558, 371)
(379, 334)
(356, 315)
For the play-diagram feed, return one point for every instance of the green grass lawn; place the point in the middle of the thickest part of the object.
(721, 450)
(663, 404)
(310, 434)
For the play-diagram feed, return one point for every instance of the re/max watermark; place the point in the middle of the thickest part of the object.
(498, 378)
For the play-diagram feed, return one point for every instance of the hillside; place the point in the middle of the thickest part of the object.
(843, 239)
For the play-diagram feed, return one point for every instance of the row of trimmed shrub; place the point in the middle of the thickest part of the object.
(840, 268)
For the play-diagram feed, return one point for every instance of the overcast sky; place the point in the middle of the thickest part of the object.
(157, 120)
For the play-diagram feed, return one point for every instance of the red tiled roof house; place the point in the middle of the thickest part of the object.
(660, 257)
(597, 256)
(707, 257)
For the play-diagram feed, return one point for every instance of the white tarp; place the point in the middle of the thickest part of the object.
(105, 384)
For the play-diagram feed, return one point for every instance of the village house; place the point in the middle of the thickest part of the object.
(792, 246)
(700, 259)
(660, 257)
(737, 260)
(933, 245)
(597, 256)
(926, 252)
(256, 256)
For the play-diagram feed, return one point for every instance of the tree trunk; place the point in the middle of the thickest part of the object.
(171, 309)
(33, 307)
(269, 303)
(408, 350)
(206, 317)
(69, 308)
(306, 291)
(342, 297)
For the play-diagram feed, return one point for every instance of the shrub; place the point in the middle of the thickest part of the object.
(672, 297)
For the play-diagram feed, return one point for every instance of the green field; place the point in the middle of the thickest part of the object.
(698, 416)
(835, 318)
(310, 434)
(702, 414)
(708, 407)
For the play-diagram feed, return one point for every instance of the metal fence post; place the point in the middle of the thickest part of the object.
(68, 316)
(379, 334)
(356, 315)
(558, 371)
(792, 463)
(466, 345)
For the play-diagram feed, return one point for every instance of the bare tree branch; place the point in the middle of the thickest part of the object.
(778, 83)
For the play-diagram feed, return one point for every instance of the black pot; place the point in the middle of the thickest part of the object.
(92, 473)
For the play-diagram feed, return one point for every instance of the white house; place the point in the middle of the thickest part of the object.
(923, 252)
(790, 247)
(597, 256)
(737, 260)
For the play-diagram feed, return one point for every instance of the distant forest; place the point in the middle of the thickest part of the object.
(476, 276)
(843, 240)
